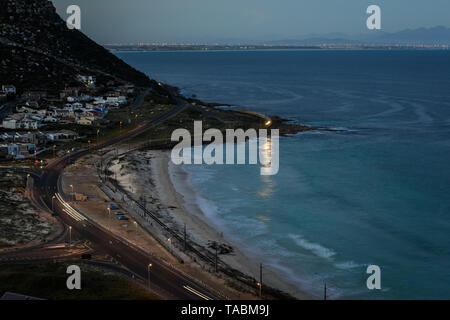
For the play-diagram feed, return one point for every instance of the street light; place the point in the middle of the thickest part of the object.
(109, 218)
(148, 274)
(70, 236)
(135, 224)
(28, 181)
(73, 194)
(54, 147)
(53, 204)
(260, 288)
(98, 131)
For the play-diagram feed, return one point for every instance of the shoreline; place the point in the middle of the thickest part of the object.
(174, 193)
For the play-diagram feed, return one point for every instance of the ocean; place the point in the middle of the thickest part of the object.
(375, 192)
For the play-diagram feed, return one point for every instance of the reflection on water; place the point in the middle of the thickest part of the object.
(265, 159)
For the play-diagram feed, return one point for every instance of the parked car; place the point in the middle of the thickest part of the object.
(112, 206)
(124, 218)
(118, 213)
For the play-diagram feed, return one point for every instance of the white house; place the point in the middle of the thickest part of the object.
(9, 123)
(62, 135)
(9, 89)
(85, 121)
(25, 123)
(21, 150)
(30, 124)
(50, 119)
(77, 106)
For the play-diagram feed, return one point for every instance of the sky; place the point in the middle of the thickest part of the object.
(132, 21)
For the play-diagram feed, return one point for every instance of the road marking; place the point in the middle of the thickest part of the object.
(69, 210)
(201, 295)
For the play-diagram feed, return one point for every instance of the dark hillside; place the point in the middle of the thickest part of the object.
(37, 48)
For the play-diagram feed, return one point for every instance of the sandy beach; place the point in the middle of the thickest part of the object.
(151, 175)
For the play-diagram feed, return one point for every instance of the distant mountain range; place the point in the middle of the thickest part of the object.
(427, 36)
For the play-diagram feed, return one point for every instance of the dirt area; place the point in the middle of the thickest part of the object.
(21, 224)
(84, 177)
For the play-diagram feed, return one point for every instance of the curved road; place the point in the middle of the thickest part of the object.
(166, 279)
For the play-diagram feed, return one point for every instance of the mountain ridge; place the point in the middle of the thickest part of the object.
(438, 35)
(37, 50)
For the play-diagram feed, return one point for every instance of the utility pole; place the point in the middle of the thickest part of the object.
(185, 237)
(260, 279)
(216, 255)
(325, 291)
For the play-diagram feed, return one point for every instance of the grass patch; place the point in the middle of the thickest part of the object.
(48, 281)
(19, 222)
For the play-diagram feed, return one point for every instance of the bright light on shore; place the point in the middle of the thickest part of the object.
(268, 123)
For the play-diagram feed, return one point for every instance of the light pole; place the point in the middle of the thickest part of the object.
(120, 130)
(28, 182)
(148, 274)
(53, 204)
(260, 288)
(54, 147)
(73, 194)
(89, 142)
(109, 218)
(135, 224)
(98, 131)
(70, 236)
(170, 244)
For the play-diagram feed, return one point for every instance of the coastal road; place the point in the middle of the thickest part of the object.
(163, 277)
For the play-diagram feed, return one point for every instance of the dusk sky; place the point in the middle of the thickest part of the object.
(127, 21)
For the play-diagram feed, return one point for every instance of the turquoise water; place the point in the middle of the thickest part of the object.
(375, 193)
